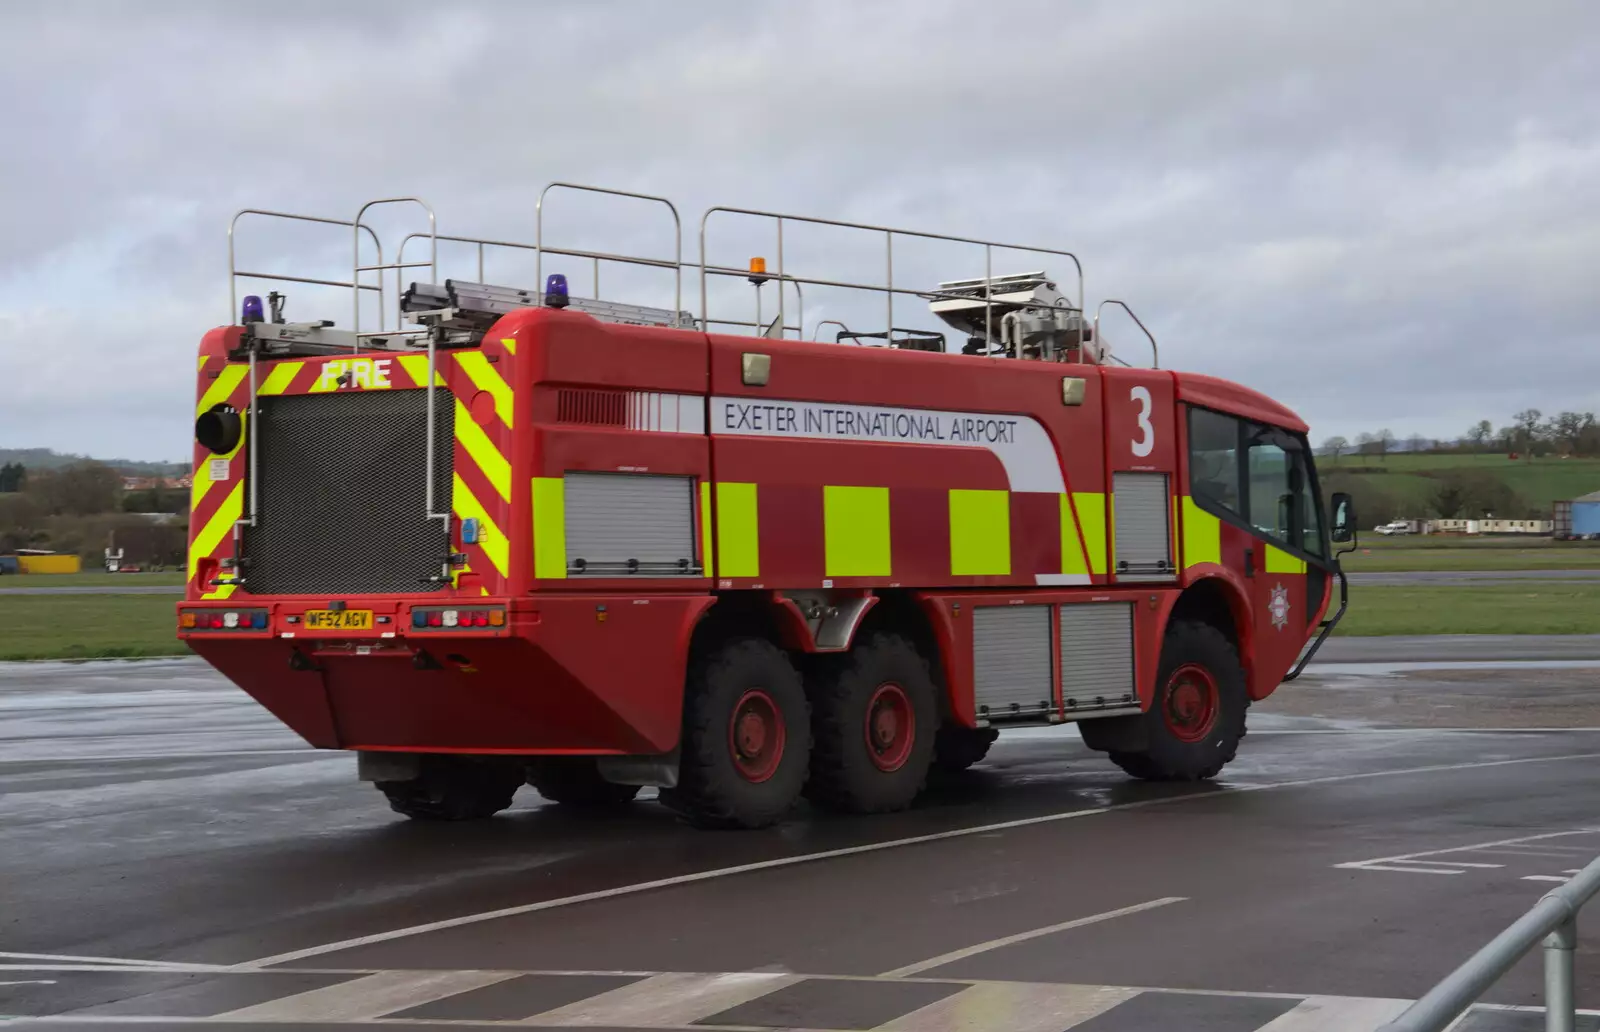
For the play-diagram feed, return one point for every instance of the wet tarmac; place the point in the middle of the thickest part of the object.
(168, 853)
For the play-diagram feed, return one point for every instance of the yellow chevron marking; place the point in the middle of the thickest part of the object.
(486, 378)
(483, 452)
(510, 344)
(222, 591)
(221, 388)
(218, 527)
(281, 377)
(416, 367)
(201, 482)
(203, 360)
(491, 541)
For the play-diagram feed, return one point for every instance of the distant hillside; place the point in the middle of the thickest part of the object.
(1405, 486)
(46, 458)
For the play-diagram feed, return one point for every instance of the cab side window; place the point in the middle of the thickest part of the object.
(1214, 460)
(1256, 474)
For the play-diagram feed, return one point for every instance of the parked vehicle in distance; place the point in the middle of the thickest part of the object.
(1397, 527)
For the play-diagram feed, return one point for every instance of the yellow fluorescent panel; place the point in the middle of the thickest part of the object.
(855, 524)
(980, 533)
(738, 532)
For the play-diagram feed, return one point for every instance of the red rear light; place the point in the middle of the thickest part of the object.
(480, 619)
(435, 619)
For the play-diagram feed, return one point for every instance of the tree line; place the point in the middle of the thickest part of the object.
(78, 508)
(1529, 434)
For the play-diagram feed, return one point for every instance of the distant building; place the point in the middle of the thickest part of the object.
(1586, 514)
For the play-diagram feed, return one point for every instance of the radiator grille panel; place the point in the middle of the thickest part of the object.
(593, 407)
(342, 493)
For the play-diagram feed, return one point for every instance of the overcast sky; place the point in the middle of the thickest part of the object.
(1385, 214)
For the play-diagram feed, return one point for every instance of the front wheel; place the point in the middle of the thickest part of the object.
(746, 738)
(1197, 717)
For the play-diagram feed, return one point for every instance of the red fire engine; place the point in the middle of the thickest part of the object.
(536, 538)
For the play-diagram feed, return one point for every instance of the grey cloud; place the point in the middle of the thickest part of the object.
(1380, 213)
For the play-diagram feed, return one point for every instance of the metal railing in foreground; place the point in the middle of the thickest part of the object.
(1554, 919)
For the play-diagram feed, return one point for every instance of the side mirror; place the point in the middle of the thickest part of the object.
(1344, 518)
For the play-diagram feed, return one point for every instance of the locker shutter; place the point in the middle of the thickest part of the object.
(1011, 661)
(630, 523)
(1143, 526)
(1097, 657)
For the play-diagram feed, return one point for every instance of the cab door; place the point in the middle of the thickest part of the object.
(1283, 561)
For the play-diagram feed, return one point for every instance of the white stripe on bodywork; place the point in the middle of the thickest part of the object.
(1019, 442)
(667, 413)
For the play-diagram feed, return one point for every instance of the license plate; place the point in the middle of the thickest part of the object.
(338, 620)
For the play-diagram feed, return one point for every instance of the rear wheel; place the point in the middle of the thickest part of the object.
(1196, 720)
(874, 719)
(746, 738)
(957, 748)
(454, 788)
(575, 781)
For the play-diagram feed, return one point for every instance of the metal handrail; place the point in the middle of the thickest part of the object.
(1554, 919)
(888, 288)
(235, 273)
(357, 269)
(677, 238)
(1155, 355)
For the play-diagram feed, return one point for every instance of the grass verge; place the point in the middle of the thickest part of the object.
(86, 580)
(88, 626)
(1525, 607)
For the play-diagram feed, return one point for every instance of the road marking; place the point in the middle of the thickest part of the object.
(666, 1001)
(1336, 1014)
(1380, 863)
(1450, 863)
(32, 981)
(120, 962)
(1012, 940)
(1013, 1007)
(871, 847)
(374, 996)
(310, 754)
(1406, 870)
(1545, 877)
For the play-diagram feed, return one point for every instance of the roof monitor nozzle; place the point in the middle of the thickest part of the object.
(555, 291)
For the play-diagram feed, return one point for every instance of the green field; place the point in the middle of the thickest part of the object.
(1402, 478)
(1452, 554)
(81, 580)
(88, 626)
(1519, 607)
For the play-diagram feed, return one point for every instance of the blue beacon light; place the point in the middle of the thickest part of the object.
(252, 311)
(555, 291)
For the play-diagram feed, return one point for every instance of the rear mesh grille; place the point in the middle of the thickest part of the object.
(593, 407)
(342, 493)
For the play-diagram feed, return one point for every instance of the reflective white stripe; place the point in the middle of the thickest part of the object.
(666, 1001)
(667, 413)
(1061, 578)
(370, 997)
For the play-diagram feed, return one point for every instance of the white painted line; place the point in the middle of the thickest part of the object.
(666, 1001)
(1408, 857)
(872, 847)
(307, 752)
(148, 965)
(1450, 863)
(1012, 1007)
(362, 999)
(1336, 1014)
(1011, 940)
(1404, 870)
(32, 981)
(1545, 877)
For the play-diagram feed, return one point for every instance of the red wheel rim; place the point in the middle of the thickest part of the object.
(891, 727)
(1190, 702)
(756, 736)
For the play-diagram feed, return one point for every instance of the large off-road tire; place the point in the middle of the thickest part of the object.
(874, 716)
(957, 748)
(1196, 720)
(575, 781)
(454, 788)
(746, 738)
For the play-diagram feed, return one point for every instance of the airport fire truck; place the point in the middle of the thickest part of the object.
(524, 537)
